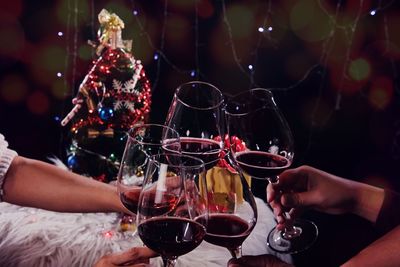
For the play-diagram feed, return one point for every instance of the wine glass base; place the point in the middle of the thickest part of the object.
(296, 244)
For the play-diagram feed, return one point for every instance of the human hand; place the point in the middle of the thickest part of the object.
(134, 257)
(312, 188)
(265, 260)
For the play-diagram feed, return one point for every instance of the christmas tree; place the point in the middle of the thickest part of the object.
(114, 96)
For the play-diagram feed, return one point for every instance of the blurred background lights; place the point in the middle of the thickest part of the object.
(59, 74)
(359, 69)
(13, 88)
(156, 56)
(270, 28)
(373, 12)
(135, 12)
(193, 73)
(250, 67)
(60, 34)
(260, 29)
(381, 92)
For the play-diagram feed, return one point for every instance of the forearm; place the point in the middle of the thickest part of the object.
(38, 184)
(383, 252)
(368, 201)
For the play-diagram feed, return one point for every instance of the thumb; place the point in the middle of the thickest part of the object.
(295, 199)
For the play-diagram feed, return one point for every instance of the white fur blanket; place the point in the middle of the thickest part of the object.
(39, 238)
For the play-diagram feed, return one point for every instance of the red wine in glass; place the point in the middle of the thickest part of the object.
(131, 200)
(171, 236)
(227, 230)
(259, 164)
(207, 150)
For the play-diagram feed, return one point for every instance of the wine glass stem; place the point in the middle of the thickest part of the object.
(168, 262)
(236, 252)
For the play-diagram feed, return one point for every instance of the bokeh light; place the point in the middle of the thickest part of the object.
(381, 92)
(13, 88)
(359, 69)
(303, 19)
(205, 9)
(58, 89)
(47, 60)
(38, 103)
(241, 19)
(13, 39)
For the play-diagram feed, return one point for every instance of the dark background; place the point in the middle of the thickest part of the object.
(333, 67)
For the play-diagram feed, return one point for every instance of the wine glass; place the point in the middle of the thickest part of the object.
(232, 211)
(143, 141)
(196, 114)
(173, 210)
(255, 120)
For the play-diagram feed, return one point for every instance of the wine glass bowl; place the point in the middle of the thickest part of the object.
(255, 119)
(173, 210)
(143, 141)
(267, 149)
(196, 114)
(232, 212)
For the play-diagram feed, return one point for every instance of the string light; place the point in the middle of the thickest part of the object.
(59, 74)
(60, 34)
(373, 12)
(260, 29)
(270, 28)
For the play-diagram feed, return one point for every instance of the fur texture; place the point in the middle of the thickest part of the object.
(34, 237)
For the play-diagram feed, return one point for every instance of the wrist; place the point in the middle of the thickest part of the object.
(368, 201)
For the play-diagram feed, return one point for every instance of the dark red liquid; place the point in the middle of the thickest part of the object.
(130, 199)
(167, 203)
(171, 236)
(226, 230)
(262, 165)
(206, 149)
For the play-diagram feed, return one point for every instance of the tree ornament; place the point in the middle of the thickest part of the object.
(114, 96)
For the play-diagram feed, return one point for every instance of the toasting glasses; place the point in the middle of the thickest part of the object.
(196, 112)
(173, 211)
(254, 118)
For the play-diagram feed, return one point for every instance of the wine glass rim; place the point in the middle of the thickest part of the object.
(146, 125)
(268, 91)
(219, 103)
(200, 164)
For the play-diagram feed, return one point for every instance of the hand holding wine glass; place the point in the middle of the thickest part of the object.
(173, 209)
(254, 118)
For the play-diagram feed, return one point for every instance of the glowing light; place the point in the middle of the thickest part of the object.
(260, 29)
(57, 118)
(59, 74)
(381, 92)
(135, 12)
(359, 69)
(193, 73)
(250, 67)
(270, 28)
(156, 56)
(108, 234)
(60, 34)
(373, 12)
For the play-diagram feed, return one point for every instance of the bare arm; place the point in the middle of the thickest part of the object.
(384, 252)
(38, 184)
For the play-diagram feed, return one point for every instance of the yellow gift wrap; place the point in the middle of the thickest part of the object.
(223, 188)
